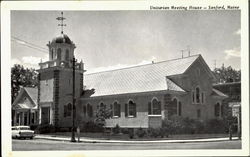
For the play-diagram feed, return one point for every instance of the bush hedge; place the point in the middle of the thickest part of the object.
(180, 125)
(45, 128)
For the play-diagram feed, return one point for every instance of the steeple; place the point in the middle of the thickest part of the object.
(61, 49)
(61, 18)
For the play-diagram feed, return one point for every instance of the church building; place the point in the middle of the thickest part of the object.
(138, 97)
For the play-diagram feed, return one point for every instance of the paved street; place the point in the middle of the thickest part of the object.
(40, 144)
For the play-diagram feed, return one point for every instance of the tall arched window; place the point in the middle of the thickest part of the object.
(172, 108)
(130, 109)
(197, 90)
(59, 53)
(155, 107)
(67, 55)
(117, 109)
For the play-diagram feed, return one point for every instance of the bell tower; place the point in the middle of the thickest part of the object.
(55, 88)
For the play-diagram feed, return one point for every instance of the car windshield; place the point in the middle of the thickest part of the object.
(24, 128)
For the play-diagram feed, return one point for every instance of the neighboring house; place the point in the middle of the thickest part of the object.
(140, 96)
(233, 102)
(25, 107)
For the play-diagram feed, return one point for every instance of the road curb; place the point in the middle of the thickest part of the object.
(138, 142)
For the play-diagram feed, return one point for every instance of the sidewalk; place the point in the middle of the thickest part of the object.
(91, 140)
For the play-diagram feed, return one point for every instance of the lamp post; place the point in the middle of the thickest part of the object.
(73, 99)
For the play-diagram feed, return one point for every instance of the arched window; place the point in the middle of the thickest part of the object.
(67, 55)
(130, 109)
(117, 110)
(59, 53)
(69, 109)
(217, 110)
(179, 108)
(154, 107)
(172, 108)
(197, 90)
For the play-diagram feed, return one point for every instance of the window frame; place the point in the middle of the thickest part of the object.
(116, 105)
(129, 108)
(153, 108)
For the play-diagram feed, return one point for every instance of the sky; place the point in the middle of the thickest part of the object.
(108, 40)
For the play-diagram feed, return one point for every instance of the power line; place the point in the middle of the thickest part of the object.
(28, 44)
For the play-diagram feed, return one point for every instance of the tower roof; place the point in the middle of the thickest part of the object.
(63, 38)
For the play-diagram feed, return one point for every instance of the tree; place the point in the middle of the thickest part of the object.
(102, 114)
(227, 74)
(22, 77)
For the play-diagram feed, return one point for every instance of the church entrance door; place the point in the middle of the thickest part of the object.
(45, 115)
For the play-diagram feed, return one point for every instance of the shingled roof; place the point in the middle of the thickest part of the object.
(143, 78)
(32, 93)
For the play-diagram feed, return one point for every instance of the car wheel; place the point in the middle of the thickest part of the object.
(31, 138)
(16, 137)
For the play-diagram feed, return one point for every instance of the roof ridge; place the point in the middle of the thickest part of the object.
(143, 64)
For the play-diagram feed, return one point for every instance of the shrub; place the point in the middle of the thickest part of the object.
(45, 128)
(90, 126)
(125, 130)
(140, 132)
(216, 126)
(33, 126)
(116, 129)
(154, 132)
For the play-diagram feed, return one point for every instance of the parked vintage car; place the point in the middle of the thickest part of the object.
(22, 132)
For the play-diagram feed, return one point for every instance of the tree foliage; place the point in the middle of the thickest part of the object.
(102, 114)
(227, 74)
(22, 77)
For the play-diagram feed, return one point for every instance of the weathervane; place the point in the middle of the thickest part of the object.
(61, 18)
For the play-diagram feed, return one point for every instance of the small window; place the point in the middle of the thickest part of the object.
(67, 55)
(179, 109)
(59, 55)
(197, 90)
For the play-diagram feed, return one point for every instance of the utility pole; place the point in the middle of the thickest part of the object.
(73, 99)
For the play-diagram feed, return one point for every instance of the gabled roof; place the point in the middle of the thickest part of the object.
(143, 78)
(33, 95)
